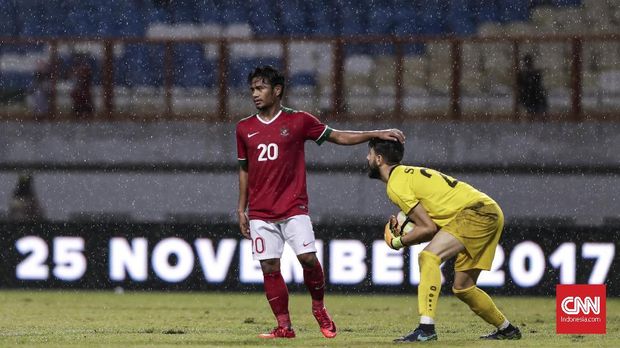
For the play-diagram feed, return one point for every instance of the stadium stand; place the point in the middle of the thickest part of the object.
(268, 18)
(486, 68)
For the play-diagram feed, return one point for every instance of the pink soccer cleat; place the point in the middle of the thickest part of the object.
(327, 325)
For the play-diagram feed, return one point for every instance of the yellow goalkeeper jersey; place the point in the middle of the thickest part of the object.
(441, 195)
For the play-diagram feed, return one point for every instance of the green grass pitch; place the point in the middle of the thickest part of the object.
(158, 319)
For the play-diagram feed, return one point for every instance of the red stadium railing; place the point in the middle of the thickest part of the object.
(337, 109)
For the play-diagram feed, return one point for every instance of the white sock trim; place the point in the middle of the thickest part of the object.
(426, 320)
(504, 325)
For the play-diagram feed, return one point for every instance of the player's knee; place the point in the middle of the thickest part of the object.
(462, 292)
(308, 260)
(469, 296)
(270, 266)
(428, 258)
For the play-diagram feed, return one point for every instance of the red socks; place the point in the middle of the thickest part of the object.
(277, 292)
(277, 295)
(315, 281)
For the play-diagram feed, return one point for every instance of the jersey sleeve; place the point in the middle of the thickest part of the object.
(314, 129)
(242, 156)
(400, 195)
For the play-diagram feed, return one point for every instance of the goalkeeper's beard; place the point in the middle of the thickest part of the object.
(373, 171)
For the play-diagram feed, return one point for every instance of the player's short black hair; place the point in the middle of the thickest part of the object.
(391, 150)
(269, 74)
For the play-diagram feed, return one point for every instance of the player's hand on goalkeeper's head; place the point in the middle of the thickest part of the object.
(393, 134)
(391, 234)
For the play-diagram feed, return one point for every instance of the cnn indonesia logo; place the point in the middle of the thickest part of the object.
(580, 309)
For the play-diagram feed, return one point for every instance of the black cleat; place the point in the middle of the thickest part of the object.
(418, 335)
(509, 333)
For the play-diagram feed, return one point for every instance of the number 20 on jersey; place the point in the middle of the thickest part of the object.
(268, 152)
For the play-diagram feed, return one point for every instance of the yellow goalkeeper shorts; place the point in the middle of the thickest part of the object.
(479, 228)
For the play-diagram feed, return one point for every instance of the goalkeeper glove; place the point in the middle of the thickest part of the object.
(391, 234)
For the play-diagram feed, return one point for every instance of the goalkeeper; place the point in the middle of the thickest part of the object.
(457, 219)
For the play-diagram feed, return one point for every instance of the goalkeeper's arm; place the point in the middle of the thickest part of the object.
(424, 230)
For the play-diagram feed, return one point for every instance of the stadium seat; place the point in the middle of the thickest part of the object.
(144, 65)
(485, 11)
(21, 19)
(67, 62)
(570, 20)
(559, 20)
(55, 18)
(303, 79)
(85, 19)
(158, 14)
(15, 81)
(358, 84)
(264, 18)
(105, 24)
(553, 59)
(519, 28)
(322, 18)
(432, 16)
(561, 3)
(233, 11)
(490, 29)
(30, 16)
(380, 19)
(293, 18)
(591, 57)
(156, 54)
(207, 11)
(183, 11)
(543, 19)
(414, 75)
(130, 19)
(383, 76)
(513, 10)
(310, 65)
(353, 18)
(590, 83)
(610, 60)
(8, 18)
(132, 68)
(472, 66)
(460, 20)
(237, 30)
(497, 69)
(19, 64)
(439, 63)
(192, 68)
(381, 22)
(405, 26)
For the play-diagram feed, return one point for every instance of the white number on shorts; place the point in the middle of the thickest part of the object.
(267, 152)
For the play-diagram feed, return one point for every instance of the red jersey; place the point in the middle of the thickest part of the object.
(274, 154)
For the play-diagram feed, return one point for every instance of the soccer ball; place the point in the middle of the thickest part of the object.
(405, 225)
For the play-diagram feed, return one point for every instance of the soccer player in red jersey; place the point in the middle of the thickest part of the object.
(273, 202)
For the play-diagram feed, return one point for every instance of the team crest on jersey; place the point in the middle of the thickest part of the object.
(284, 132)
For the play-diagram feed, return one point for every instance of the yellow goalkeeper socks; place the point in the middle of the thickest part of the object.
(430, 283)
(481, 304)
